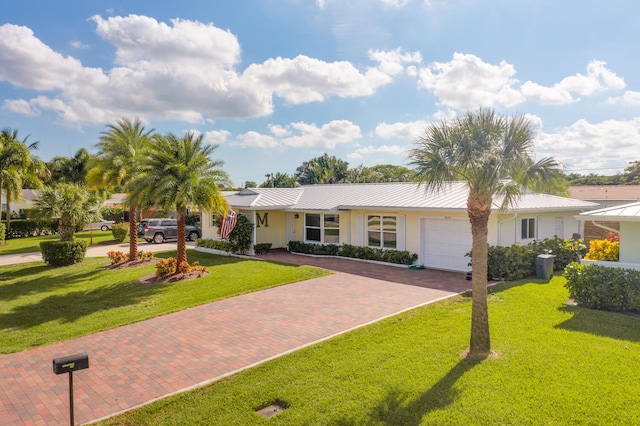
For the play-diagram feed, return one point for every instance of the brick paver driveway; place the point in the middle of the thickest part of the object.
(138, 363)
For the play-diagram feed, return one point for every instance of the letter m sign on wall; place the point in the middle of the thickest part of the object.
(262, 221)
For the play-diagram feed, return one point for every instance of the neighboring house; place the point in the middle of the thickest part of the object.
(116, 200)
(605, 196)
(26, 200)
(397, 216)
(628, 216)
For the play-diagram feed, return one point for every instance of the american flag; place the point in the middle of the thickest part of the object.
(228, 224)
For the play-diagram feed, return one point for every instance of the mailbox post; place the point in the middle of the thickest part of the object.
(69, 364)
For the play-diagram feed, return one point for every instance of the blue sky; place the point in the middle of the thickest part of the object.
(278, 82)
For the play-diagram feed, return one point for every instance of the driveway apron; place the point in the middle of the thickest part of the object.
(135, 364)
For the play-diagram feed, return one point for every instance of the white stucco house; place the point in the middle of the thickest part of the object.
(628, 215)
(396, 216)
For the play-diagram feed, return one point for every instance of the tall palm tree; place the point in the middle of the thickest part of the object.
(70, 169)
(15, 163)
(177, 173)
(72, 204)
(322, 170)
(493, 155)
(116, 165)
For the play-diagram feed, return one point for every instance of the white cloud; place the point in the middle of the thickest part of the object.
(395, 3)
(601, 148)
(368, 151)
(20, 106)
(303, 135)
(184, 70)
(466, 82)
(407, 131)
(598, 79)
(77, 44)
(217, 136)
(628, 98)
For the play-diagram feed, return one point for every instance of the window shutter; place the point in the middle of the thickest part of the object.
(400, 232)
(360, 241)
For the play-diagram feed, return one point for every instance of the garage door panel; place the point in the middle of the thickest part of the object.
(444, 243)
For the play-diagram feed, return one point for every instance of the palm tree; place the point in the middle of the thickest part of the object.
(177, 173)
(493, 155)
(116, 165)
(322, 170)
(70, 169)
(15, 163)
(72, 204)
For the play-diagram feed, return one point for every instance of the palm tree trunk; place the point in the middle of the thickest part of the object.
(133, 235)
(8, 215)
(182, 239)
(480, 344)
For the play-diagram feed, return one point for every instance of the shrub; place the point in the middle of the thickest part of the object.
(242, 235)
(367, 253)
(603, 250)
(21, 228)
(261, 248)
(2, 230)
(63, 253)
(119, 232)
(515, 262)
(215, 244)
(117, 257)
(603, 287)
(170, 266)
(113, 213)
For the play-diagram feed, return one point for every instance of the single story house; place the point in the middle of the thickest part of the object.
(396, 216)
(605, 196)
(628, 215)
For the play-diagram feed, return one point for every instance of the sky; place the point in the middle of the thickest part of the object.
(275, 83)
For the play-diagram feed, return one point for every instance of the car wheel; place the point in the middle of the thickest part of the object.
(104, 227)
(158, 238)
(193, 235)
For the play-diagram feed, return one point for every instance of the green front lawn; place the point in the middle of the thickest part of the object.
(32, 244)
(555, 364)
(42, 305)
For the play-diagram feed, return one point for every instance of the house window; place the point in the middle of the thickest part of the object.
(322, 228)
(382, 231)
(528, 229)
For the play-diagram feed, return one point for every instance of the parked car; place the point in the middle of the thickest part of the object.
(105, 225)
(160, 230)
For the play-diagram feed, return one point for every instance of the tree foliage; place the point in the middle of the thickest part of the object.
(492, 154)
(322, 170)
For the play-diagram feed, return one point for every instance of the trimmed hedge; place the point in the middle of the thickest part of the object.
(516, 262)
(63, 253)
(119, 233)
(400, 257)
(2, 229)
(216, 245)
(603, 287)
(21, 228)
(261, 248)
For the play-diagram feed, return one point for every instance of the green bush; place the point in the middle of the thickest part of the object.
(261, 248)
(21, 228)
(2, 229)
(400, 257)
(119, 233)
(515, 262)
(242, 235)
(603, 287)
(63, 253)
(215, 244)
(113, 213)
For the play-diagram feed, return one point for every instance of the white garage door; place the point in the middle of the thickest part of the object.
(444, 243)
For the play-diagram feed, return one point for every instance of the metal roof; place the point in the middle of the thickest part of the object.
(386, 196)
(626, 212)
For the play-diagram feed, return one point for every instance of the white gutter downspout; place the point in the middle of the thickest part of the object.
(599, 225)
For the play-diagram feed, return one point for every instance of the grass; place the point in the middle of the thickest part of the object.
(32, 244)
(40, 305)
(556, 364)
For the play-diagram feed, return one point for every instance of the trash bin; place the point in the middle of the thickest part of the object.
(544, 266)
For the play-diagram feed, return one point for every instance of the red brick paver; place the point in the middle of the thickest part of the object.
(138, 363)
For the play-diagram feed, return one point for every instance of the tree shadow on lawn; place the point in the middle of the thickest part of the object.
(70, 307)
(397, 408)
(26, 286)
(602, 323)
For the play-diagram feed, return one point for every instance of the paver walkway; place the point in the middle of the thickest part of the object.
(141, 362)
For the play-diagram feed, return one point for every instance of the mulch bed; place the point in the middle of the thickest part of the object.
(153, 278)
